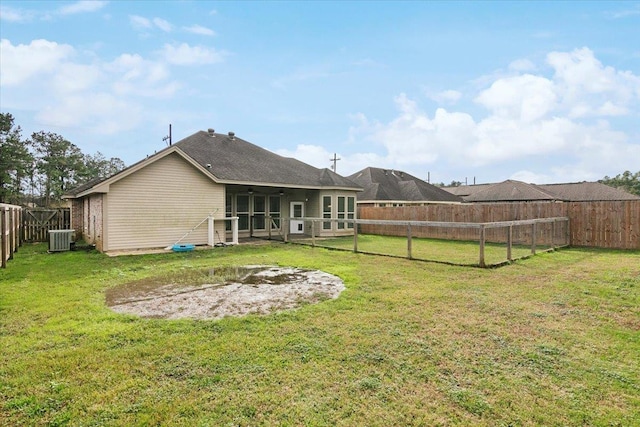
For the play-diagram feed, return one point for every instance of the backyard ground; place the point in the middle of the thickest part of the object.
(551, 340)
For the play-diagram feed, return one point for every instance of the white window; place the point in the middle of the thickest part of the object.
(326, 212)
(274, 211)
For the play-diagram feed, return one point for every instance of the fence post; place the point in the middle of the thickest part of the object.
(313, 233)
(16, 229)
(11, 237)
(509, 242)
(3, 238)
(482, 240)
(355, 236)
(533, 238)
(409, 241)
(553, 234)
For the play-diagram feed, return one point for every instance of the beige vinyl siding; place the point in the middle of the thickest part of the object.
(158, 204)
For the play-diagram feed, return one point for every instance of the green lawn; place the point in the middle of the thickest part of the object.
(551, 340)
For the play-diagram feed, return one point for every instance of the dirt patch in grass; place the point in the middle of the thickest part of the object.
(219, 292)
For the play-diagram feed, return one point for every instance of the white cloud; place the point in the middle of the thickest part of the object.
(134, 75)
(633, 11)
(72, 78)
(526, 97)
(588, 88)
(520, 65)
(163, 25)
(67, 88)
(139, 22)
(10, 14)
(446, 97)
(22, 62)
(531, 119)
(183, 54)
(82, 7)
(199, 29)
(320, 157)
(101, 113)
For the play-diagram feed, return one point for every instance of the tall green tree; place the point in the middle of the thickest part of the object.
(59, 162)
(98, 166)
(16, 161)
(627, 181)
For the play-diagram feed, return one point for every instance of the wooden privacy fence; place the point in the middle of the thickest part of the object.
(10, 220)
(614, 225)
(36, 223)
(609, 224)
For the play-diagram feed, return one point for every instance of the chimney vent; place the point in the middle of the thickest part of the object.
(232, 135)
(211, 131)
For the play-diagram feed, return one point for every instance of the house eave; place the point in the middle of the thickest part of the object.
(287, 185)
(412, 202)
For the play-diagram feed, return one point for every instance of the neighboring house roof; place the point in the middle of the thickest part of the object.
(512, 191)
(386, 184)
(465, 190)
(587, 191)
(227, 159)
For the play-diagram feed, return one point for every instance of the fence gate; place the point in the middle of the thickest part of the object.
(36, 222)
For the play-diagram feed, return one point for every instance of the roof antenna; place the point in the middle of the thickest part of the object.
(334, 160)
(168, 137)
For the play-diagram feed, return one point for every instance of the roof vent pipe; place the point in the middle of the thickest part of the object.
(211, 131)
(232, 135)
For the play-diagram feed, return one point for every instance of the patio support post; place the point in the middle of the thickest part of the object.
(234, 230)
(210, 229)
(285, 232)
(269, 220)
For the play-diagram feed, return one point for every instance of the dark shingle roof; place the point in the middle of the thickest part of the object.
(465, 190)
(513, 191)
(82, 187)
(233, 159)
(386, 184)
(587, 192)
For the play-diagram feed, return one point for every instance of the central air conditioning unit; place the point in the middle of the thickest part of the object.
(60, 240)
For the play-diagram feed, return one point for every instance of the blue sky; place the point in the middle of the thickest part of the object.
(537, 91)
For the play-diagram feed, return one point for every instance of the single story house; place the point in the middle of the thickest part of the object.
(388, 187)
(518, 191)
(214, 188)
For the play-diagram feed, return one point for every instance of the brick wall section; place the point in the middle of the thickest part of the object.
(76, 217)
